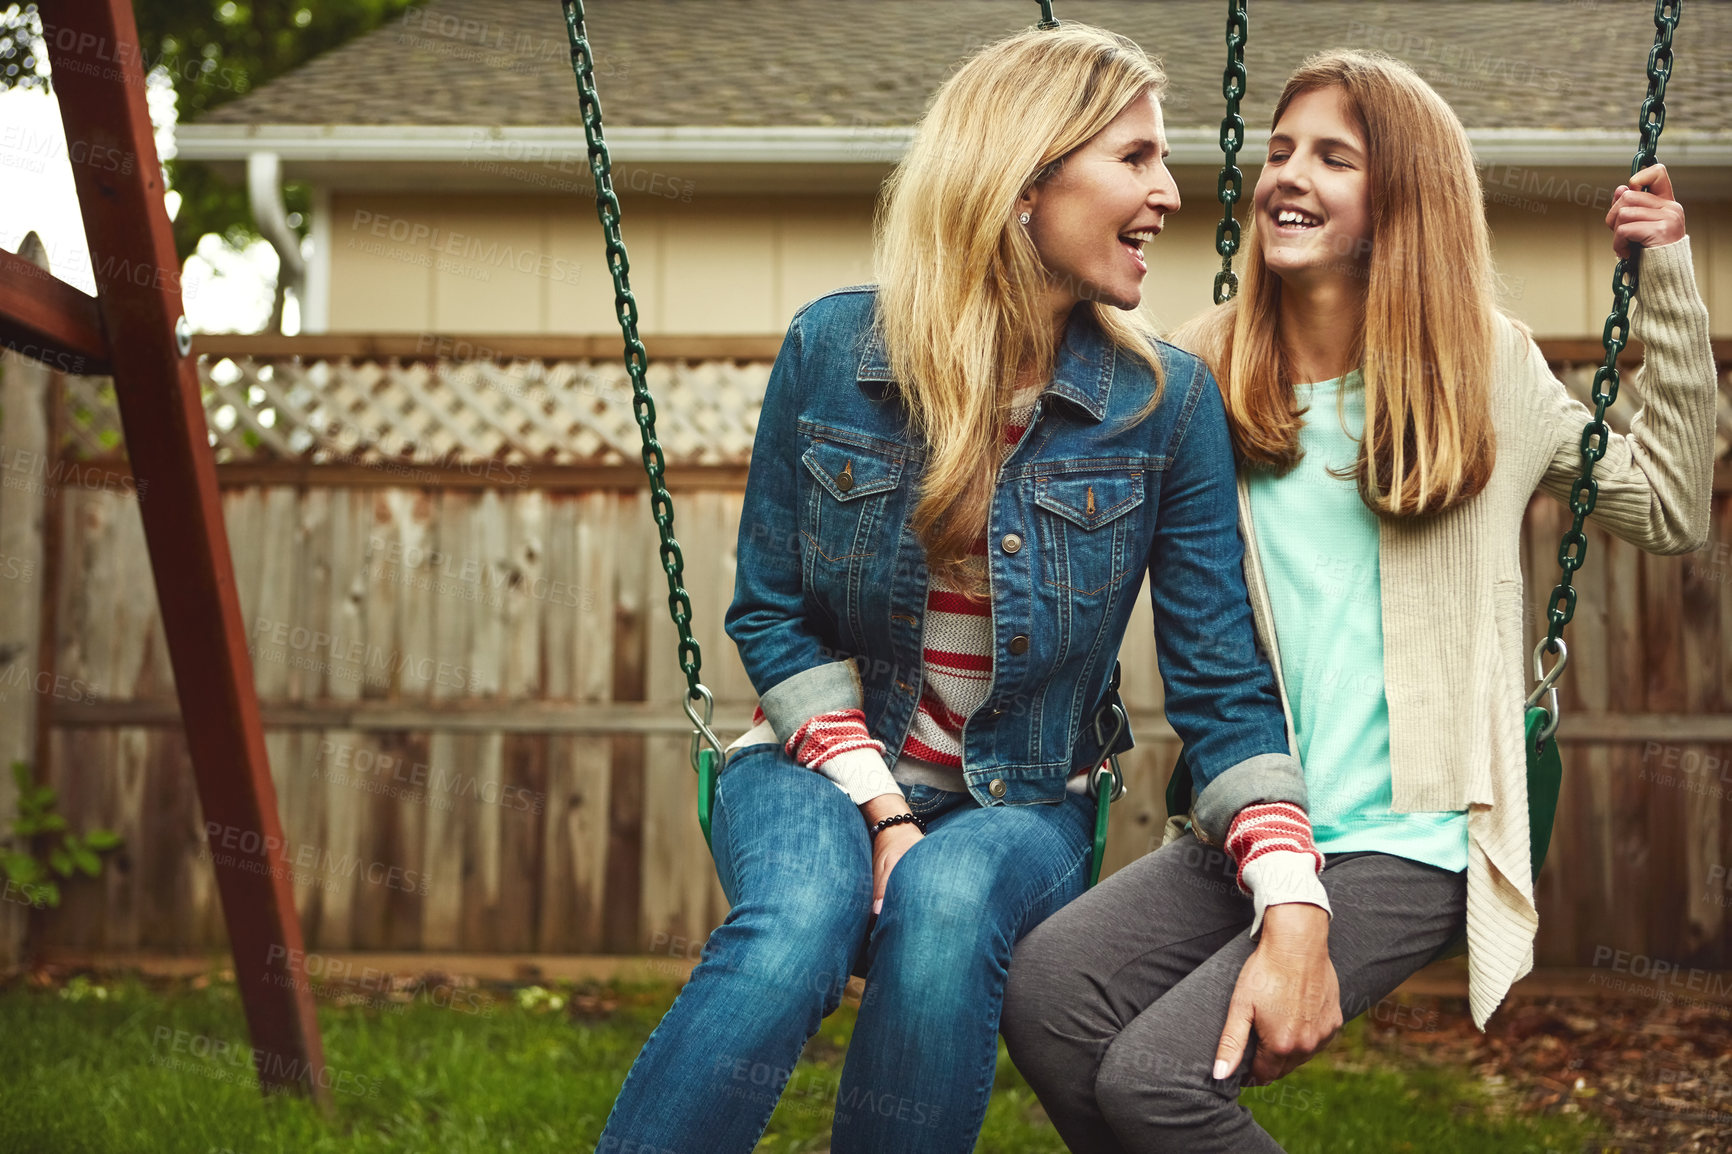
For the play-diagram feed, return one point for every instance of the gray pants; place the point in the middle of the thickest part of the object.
(1116, 1003)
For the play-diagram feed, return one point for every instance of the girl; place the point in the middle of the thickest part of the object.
(959, 480)
(1391, 426)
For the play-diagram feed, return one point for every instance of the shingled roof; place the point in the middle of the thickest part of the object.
(1574, 65)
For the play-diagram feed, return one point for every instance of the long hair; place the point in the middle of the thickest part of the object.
(961, 285)
(1426, 347)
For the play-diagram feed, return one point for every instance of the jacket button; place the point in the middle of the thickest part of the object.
(1011, 543)
(996, 789)
(1018, 644)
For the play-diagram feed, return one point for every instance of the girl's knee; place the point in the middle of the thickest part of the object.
(1046, 969)
(1049, 1058)
(1033, 988)
(1152, 1092)
(1024, 1015)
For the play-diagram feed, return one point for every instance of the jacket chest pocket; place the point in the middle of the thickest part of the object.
(847, 503)
(1085, 531)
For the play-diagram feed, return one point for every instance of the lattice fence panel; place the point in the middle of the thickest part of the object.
(529, 411)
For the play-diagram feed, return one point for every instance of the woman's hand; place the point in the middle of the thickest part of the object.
(891, 844)
(1287, 990)
(1649, 218)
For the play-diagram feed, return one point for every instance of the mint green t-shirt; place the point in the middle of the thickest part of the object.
(1318, 545)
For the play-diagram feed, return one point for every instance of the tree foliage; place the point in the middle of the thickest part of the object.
(211, 51)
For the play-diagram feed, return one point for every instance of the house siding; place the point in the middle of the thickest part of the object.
(721, 265)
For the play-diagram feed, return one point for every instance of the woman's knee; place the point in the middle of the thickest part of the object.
(940, 929)
(802, 935)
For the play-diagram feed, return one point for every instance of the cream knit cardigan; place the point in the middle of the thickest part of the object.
(1454, 657)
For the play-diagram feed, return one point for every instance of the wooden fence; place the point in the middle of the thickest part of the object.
(469, 687)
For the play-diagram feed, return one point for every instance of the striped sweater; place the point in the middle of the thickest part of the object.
(956, 659)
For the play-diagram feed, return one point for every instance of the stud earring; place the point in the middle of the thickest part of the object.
(1023, 218)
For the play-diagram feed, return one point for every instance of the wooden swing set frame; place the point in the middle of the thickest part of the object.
(135, 331)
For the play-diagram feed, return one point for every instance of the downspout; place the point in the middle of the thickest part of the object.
(270, 215)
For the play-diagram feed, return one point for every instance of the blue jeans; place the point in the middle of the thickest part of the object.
(794, 860)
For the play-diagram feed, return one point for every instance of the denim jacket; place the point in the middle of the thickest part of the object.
(830, 592)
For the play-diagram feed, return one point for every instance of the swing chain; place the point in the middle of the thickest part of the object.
(1666, 13)
(1231, 184)
(636, 361)
(1572, 551)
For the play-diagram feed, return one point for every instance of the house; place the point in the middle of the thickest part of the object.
(452, 192)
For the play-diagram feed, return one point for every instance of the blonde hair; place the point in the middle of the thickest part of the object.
(961, 285)
(1425, 347)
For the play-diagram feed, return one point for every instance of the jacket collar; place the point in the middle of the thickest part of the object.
(1083, 375)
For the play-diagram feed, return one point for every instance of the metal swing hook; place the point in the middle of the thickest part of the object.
(701, 731)
(1110, 767)
(1548, 684)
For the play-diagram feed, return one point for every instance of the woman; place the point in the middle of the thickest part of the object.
(1392, 426)
(959, 481)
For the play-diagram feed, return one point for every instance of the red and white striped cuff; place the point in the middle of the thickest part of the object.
(1269, 827)
(826, 735)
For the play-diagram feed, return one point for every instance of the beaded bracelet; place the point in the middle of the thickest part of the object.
(897, 819)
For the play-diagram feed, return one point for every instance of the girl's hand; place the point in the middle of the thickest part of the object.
(1650, 218)
(890, 845)
(1288, 991)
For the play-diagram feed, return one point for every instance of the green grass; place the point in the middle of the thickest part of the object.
(92, 1075)
(1358, 1100)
